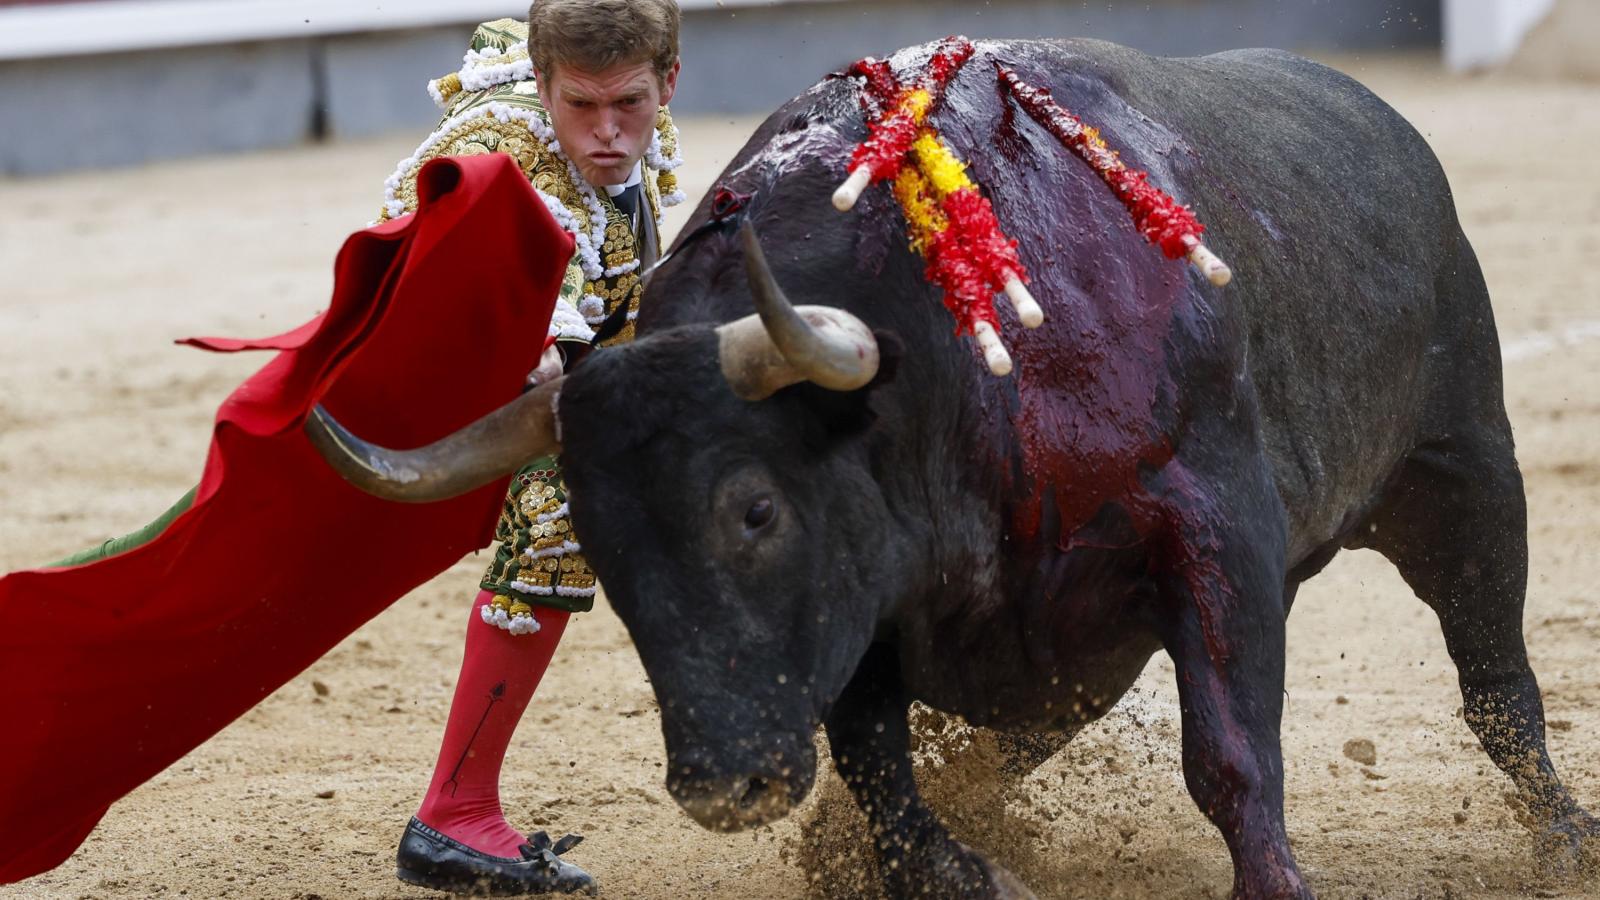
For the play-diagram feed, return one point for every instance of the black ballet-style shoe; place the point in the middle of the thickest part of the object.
(431, 859)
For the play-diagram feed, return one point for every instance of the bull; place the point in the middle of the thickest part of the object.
(822, 511)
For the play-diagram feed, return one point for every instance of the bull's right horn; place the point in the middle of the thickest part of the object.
(783, 345)
(484, 451)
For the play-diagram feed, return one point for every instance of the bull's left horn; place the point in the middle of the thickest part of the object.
(488, 449)
(783, 345)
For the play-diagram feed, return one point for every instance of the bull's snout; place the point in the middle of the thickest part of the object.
(724, 800)
(733, 803)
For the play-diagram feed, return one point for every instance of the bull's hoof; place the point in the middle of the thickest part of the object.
(1264, 878)
(961, 874)
(1570, 845)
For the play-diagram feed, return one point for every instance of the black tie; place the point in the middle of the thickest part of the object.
(628, 203)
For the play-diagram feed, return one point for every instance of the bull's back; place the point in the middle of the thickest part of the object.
(1338, 222)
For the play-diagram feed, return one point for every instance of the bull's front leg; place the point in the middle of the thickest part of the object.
(1221, 555)
(871, 744)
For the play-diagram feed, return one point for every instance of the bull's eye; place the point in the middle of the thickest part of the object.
(759, 514)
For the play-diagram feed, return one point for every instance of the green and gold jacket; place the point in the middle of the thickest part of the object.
(492, 106)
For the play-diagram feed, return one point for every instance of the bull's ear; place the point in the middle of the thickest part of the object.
(845, 413)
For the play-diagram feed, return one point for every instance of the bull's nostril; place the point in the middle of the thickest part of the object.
(754, 791)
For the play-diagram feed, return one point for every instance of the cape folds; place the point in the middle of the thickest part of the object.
(436, 318)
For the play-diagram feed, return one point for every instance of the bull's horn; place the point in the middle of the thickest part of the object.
(488, 449)
(783, 345)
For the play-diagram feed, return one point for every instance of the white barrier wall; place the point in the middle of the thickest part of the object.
(1483, 33)
(113, 26)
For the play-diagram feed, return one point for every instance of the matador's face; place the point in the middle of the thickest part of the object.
(605, 119)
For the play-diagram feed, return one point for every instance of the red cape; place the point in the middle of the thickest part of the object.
(111, 671)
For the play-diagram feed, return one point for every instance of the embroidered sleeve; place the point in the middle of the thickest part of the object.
(567, 323)
(539, 561)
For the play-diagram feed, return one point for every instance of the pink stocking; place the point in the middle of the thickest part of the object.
(499, 673)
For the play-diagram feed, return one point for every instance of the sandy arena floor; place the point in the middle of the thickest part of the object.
(103, 422)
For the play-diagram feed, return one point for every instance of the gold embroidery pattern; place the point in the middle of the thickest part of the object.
(667, 182)
(538, 560)
(621, 248)
(490, 135)
(499, 34)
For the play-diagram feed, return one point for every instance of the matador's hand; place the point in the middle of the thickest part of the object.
(549, 366)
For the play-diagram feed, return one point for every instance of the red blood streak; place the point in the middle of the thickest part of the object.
(882, 85)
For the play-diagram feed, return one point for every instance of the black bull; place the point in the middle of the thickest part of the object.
(1169, 462)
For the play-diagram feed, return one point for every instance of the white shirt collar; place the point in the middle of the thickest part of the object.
(634, 177)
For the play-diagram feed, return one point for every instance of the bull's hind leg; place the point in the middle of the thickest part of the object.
(871, 744)
(1454, 522)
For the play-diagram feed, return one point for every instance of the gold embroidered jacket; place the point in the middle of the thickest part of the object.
(492, 106)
